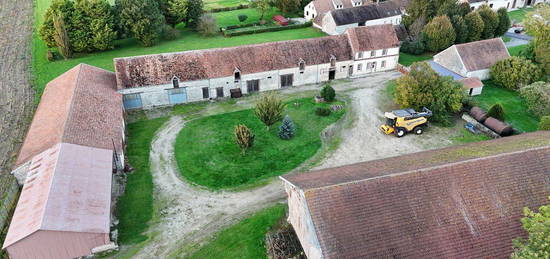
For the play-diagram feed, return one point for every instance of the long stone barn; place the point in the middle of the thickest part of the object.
(66, 165)
(190, 76)
(458, 202)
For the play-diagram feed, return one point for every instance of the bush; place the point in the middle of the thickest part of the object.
(231, 8)
(514, 72)
(439, 33)
(328, 93)
(170, 33)
(243, 137)
(207, 25)
(242, 17)
(321, 111)
(269, 109)
(287, 128)
(259, 29)
(496, 111)
(50, 56)
(544, 123)
(416, 47)
(469, 102)
(537, 96)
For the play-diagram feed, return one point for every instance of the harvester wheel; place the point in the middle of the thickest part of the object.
(418, 130)
(400, 132)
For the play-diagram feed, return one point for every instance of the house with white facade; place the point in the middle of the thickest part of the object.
(508, 4)
(190, 76)
(337, 21)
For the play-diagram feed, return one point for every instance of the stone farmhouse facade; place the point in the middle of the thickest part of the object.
(508, 4)
(190, 76)
(454, 202)
(338, 21)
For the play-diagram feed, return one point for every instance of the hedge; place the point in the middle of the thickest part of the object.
(255, 29)
(237, 26)
(231, 8)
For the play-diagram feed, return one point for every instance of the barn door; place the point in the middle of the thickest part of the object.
(132, 101)
(177, 95)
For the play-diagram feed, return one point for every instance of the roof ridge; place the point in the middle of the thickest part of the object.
(428, 168)
(477, 41)
(70, 111)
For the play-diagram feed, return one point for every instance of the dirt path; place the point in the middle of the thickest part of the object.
(16, 94)
(190, 214)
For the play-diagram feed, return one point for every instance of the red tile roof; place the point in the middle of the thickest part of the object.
(376, 37)
(471, 82)
(193, 65)
(482, 54)
(459, 202)
(81, 107)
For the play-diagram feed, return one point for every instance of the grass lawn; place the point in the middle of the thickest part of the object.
(465, 136)
(44, 71)
(135, 207)
(514, 51)
(515, 108)
(231, 17)
(506, 38)
(245, 239)
(517, 16)
(406, 59)
(207, 154)
(210, 4)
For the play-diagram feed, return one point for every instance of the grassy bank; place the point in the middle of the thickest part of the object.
(406, 59)
(207, 154)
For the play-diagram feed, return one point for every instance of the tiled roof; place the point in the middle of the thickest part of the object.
(471, 82)
(365, 13)
(222, 62)
(68, 189)
(482, 54)
(80, 107)
(459, 202)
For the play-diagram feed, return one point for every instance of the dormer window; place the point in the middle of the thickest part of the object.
(373, 53)
(237, 75)
(302, 65)
(360, 55)
(175, 82)
(384, 52)
(332, 61)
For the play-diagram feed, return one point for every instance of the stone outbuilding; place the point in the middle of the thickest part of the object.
(458, 202)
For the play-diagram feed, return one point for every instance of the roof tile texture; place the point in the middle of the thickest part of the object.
(482, 54)
(374, 38)
(365, 13)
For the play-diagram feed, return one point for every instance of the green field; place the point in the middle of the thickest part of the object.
(207, 154)
(244, 239)
(44, 71)
(517, 16)
(231, 17)
(135, 207)
(406, 59)
(515, 108)
(210, 4)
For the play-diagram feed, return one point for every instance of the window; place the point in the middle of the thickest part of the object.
(176, 82)
(205, 93)
(360, 55)
(302, 65)
(373, 65)
(253, 86)
(307, 13)
(359, 67)
(383, 64)
(384, 52)
(237, 75)
(286, 80)
(373, 53)
(491, 5)
(473, 8)
(332, 61)
(219, 92)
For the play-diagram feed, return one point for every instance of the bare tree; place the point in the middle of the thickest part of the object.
(61, 36)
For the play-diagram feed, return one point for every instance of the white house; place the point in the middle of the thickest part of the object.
(172, 78)
(508, 4)
(337, 21)
(473, 59)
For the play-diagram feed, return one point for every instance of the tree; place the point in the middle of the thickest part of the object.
(243, 137)
(439, 33)
(537, 23)
(496, 111)
(80, 35)
(287, 6)
(503, 22)
(143, 20)
(537, 97)
(194, 12)
(47, 30)
(537, 225)
(207, 25)
(242, 17)
(178, 9)
(475, 26)
(461, 29)
(514, 72)
(490, 21)
(171, 18)
(269, 109)
(287, 128)
(262, 6)
(61, 36)
(328, 93)
(102, 25)
(415, 30)
(544, 123)
(423, 87)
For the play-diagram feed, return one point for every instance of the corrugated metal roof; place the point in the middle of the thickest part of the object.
(442, 71)
(68, 188)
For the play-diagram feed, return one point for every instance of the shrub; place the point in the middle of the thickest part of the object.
(328, 93)
(439, 33)
(496, 111)
(287, 128)
(259, 29)
(269, 109)
(230, 8)
(207, 25)
(170, 33)
(321, 111)
(544, 123)
(243, 137)
(242, 17)
(514, 72)
(416, 47)
(537, 96)
(469, 102)
(50, 56)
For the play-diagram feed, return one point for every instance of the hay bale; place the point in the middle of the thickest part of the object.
(499, 127)
(478, 114)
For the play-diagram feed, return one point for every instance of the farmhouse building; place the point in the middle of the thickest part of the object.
(65, 165)
(457, 202)
(508, 4)
(337, 21)
(172, 78)
(473, 59)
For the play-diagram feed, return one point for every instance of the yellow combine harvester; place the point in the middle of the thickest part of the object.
(404, 121)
